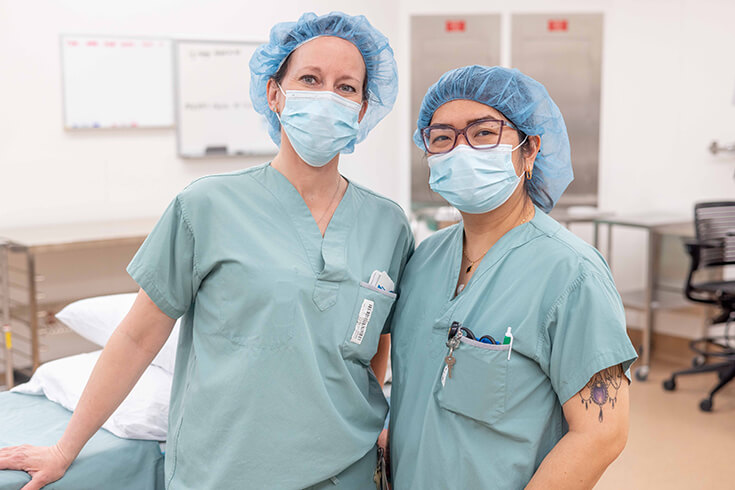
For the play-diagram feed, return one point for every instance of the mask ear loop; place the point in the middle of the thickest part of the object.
(278, 116)
(520, 144)
(529, 173)
(363, 104)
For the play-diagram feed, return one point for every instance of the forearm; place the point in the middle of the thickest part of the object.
(127, 354)
(379, 363)
(576, 462)
(119, 367)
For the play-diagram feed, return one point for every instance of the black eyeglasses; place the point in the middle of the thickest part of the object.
(480, 135)
(469, 334)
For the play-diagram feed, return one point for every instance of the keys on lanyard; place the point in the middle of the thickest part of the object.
(452, 343)
(380, 476)
(456, 332)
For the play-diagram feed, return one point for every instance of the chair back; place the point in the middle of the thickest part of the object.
(715, 224)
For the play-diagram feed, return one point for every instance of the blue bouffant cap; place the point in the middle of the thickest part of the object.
(382, 72)
(526, 104)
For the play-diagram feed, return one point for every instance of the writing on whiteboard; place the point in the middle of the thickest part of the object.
(215, 115)
(208, 53)
(113, 82)
(217, 106)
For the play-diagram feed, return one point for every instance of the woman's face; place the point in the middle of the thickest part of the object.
(460, 113)
(324, 63)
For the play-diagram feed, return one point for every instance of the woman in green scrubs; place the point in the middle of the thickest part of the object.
(284, 275)
(510, 355)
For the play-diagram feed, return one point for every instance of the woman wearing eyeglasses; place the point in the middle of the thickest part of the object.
(510, 355)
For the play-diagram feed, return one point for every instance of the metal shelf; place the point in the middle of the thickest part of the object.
(27, 310)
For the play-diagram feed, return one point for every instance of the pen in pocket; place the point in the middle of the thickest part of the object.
(508, 340)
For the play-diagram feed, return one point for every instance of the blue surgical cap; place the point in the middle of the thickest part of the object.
(382, 72)
(526, 104)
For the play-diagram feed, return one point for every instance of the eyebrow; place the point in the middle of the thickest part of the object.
(348, 77)
(472, 121)
(318, 70)
(483, 117)
(310, 68)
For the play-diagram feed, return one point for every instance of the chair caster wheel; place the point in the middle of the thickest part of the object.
(670, 384)
(641, 374)
(699, 361)
(706, 405)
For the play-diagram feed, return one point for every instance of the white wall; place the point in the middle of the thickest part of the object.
(668, 84)
(49, 175)
(667, 92)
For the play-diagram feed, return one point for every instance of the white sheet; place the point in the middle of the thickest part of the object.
(142, 415)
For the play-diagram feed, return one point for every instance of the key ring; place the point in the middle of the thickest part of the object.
(457, 327)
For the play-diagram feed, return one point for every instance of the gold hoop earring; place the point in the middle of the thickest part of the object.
(529, 174)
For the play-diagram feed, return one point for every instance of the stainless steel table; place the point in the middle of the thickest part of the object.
(650, 298)
(19, 294)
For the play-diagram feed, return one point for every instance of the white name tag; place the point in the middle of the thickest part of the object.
(366, 311)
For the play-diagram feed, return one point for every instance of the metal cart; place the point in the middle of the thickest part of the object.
(44, 268)
(656, 294)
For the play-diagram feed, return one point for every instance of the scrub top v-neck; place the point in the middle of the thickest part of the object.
(272, 385)
(493, 421)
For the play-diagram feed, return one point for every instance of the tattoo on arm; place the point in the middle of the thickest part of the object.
(602, 388)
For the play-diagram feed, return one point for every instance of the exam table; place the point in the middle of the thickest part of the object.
(106, 462)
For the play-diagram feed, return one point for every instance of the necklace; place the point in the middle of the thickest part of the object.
(473, 262)
(336, 191)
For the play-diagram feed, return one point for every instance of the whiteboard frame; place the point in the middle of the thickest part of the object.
(177, 115)
(61, 36)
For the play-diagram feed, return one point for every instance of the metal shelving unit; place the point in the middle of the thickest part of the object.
(28, 301)
(19, 304)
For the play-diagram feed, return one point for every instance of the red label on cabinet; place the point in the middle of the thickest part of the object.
(455, 26)
(558, 25)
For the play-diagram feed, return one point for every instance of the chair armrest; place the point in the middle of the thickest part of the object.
(693, 248)
(714, 243)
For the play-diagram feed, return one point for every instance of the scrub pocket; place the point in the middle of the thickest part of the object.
(261, 322)
(366, 323)
(477, 388)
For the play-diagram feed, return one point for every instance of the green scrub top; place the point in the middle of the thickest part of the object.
(494, 420)
(272, 386)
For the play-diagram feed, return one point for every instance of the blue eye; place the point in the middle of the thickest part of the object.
(348, 88)
(309, 79)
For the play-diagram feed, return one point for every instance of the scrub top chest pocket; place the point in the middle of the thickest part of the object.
(366, 323)
(477, 385)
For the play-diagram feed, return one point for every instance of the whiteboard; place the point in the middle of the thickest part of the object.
(116, 82)
(214, 115)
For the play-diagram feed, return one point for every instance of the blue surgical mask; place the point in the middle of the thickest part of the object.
(474, 181)
(319, 124)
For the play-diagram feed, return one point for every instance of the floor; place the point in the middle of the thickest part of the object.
(672, 444)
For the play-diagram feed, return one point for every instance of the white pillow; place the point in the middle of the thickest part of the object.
(142, 415)
(96, 318)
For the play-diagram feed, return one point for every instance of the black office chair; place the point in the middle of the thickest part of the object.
(712, 251)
